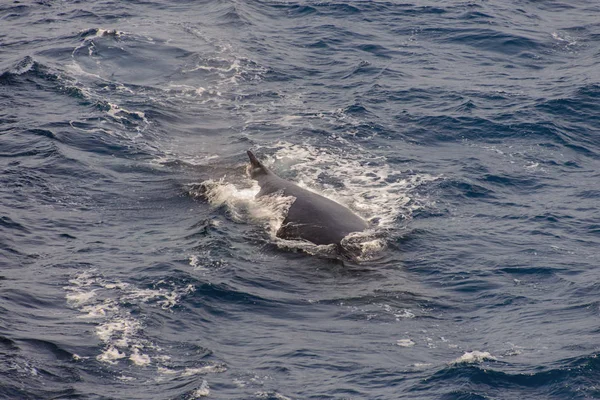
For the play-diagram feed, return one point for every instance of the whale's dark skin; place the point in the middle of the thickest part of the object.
(311, 216)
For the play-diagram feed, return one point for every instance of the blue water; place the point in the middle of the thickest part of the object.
(136, 264)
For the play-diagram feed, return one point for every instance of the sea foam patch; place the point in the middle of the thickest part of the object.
(471, 357)
(122, 335)
(202, 391)
(405, 343)
(242, 204)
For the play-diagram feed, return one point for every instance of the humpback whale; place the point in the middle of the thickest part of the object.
(311, 216)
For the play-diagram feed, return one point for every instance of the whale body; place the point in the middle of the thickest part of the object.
(311, 216)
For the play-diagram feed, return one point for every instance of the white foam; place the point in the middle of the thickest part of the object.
(207, 369)
(166, 371)
(167, 157)
(101, 310)
(110, 354)
(205, 261)
(270, 395)
(109, 32)
(77, 299)
(398, 313)
(405, 343)
(430, 343)
(88, 40)
(244, 207)
(121, 333)
(364, 245)
(118, 331)
(168, 298)
(23, 66)
(202, 391)
(229, 69)
(239, 383)
(196, 263)
(115, 111)
(306, 246)
(219, 193)
(234, 65)
(474, 357)
(190, 91)
(570, 41)
(138, 358)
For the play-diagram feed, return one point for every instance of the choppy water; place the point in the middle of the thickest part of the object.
(466, 131)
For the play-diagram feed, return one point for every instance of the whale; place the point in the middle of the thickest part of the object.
(311, 217)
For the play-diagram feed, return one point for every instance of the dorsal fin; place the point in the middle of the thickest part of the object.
(257, 167)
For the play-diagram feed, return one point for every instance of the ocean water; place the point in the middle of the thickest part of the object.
(135, 262)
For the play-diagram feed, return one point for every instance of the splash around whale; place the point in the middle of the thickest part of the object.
(311, 216)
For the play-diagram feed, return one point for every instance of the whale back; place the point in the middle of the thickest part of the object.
(311, 216)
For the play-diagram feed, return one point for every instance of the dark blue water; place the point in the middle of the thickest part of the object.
(136, 264)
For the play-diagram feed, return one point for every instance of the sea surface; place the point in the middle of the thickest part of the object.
(135, 262)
